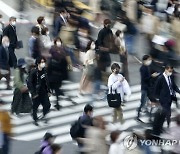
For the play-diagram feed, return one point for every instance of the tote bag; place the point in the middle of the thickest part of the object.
(114, 100)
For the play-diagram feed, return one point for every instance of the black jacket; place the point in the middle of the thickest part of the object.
(145, 77)
(10, 32)
(34, 82)
(163, 93)
(4, 61)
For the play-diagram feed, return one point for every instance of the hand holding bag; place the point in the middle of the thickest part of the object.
(114, 100)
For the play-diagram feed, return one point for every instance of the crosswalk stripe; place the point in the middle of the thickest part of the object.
(60, 121)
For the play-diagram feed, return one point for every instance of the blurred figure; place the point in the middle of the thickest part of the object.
(41, 23)
(46, 144)
(149, 24)
(10, 32)
(165, 92)
(56, 149)
(85, 121)
(104, 45)
(88, 73)
(68, 39)
(120, 43)
(59, 21)
(39, 88)
(174, 134)
(117, 146)
(46, 42)
(5, 61)
(21, 100)
(57, 69)
(145, 83)
(1, 28)
(34, 43)
(175, 29)
(95, 141)
(6, 128)
(118, 83)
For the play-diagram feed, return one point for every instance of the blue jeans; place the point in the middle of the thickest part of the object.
(6, 142)
(129, 40)
(143, 101)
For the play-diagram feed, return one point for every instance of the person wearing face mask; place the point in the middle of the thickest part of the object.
(5, 61)
(117, 82)
(88, 74)
(38, 85)
(165, 92)
(10, 32)
(145, 82)
(21, 101)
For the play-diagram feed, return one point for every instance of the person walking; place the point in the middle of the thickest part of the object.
(145, 82)
(165, 92)
(21, 99)
(10, 32)
(4, 61)
(116, 82)
(6, 128)
(39, 88)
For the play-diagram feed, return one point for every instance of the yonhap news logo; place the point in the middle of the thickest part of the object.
(131, 142)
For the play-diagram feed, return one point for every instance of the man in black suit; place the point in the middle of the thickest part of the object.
(10, 32)
(4, 61)
(165, 92)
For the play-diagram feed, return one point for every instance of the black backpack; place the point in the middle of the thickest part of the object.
(75, 129)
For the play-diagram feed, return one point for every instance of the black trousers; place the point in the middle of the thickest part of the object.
(42, 99)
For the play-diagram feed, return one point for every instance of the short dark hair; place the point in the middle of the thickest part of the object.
(56, 39)
(55, 147)
(114, 135)
(168, 66)
(114, 66)
(12, 18)
(118, 32)
(88, 108)
(146, 57)
(38, 60)
(107, 21)
(35, 30)
(47, 136)
(40, 19)
(44, 30)
(89, 45)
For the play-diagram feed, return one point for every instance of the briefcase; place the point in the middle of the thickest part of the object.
(114, 100)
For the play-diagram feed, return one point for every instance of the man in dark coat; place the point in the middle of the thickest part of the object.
(104, 45)
(4, 61)
(165, 92)
(39, 89)
(10, 32)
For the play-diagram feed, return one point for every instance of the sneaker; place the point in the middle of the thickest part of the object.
(58, 107)
(35, 123)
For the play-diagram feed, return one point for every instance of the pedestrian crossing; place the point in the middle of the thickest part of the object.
(60, 121)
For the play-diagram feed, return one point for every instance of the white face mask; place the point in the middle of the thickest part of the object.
(43, 22)
(42, 65)
(6, 44)
(47, 33)
(14, 23)
(58, 44)
(148, 62)
(169, 73)
(121, 35)
(93, 46)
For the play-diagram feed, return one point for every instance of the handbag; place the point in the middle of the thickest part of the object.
(114, 100)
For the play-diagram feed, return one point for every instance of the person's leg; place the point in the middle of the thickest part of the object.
(120, 115)
(6, 142)
(8, 80)
(36, 103)
(143, 101)
(12, 56)
(115, 115)
(168, 117)
(45, 103)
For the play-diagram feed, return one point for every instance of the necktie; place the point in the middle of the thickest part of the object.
(170, 86)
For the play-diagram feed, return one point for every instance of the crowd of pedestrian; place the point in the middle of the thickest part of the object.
(54, 54)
